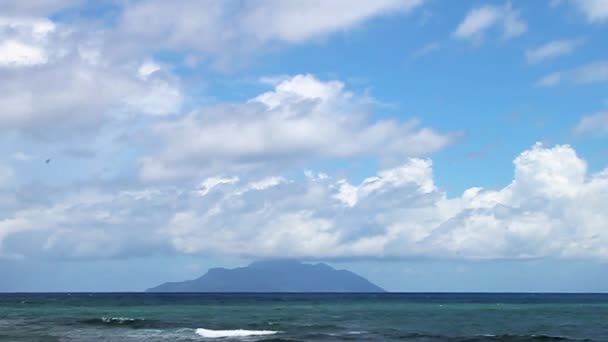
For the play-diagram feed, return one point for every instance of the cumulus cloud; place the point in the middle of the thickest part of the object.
(593, 72)
(595, 10)
(596, 124)
(23, 41)
(56, 83)
(553, 207)
(400, 212)
(74, 97)
(87, 223)
(303, 118)
(17, 53)
(62, 80)
(552, 49)
(482, 19)
(234, 197)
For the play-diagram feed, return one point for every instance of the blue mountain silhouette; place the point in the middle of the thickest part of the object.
(283, 275)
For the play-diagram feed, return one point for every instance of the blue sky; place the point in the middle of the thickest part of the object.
(429, 145)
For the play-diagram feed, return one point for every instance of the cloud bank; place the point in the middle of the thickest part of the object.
(553, 207)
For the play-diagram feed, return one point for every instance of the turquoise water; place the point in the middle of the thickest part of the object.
(303, 317)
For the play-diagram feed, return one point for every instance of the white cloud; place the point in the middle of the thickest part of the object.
(297, 21)
(147, 68)
(315, 176)
(21, 156)
(347, 193)
(266, 183)
(427, 49)
(544, 212)
(227, 29)
(553, 207)
(480, 20)
(594, 10)
(589, 73)
(550, 80)
(14, 53)
(57, 83)
(211, 182)
(86, 223)
(513, 25)
(158, 98)
(416, 171)
(477, 21)
(301, 88)
(552, 50)
(60, 80)
(23, 41)
(596, 124)
(73, 97)
(302, 119)
(37, 27)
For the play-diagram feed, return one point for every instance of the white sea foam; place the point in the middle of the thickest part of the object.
(120, 319)
(232, 333)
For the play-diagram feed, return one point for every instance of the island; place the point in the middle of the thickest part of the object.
(274, 276)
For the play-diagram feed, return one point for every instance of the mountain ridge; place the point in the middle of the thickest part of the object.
(278, 275)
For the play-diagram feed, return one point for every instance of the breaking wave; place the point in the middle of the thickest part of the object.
(136, 323)
(232, 333)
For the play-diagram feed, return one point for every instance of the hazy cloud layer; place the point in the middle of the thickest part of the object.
(551, 50)
(227, 29)
(593, 72)
(596, 11)
(595, 124)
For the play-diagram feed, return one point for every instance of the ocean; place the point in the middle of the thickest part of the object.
(428, 317)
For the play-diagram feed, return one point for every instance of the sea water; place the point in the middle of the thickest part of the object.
(303, 317)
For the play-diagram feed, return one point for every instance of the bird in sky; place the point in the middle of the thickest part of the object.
(48, 160)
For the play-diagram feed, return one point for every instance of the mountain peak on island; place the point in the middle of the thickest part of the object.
(266, 263)
(274, 275)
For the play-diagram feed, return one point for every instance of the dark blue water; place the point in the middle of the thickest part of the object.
(304, 317)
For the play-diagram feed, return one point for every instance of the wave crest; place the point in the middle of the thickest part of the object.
(121, 321)
(232, 333)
